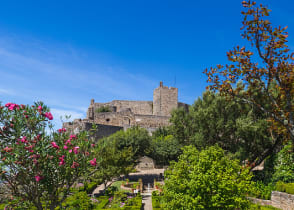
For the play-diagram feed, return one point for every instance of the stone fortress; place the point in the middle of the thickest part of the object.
(122, 114)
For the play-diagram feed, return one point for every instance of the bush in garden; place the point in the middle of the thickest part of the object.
(263, 191)
(206, 179)
(285, 187)
(284, 164)
(78, 201)
(40, 165)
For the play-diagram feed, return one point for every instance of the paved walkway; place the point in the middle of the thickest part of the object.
(147, 201)
(100, 187)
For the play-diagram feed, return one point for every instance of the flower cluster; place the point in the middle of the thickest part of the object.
(12, 106)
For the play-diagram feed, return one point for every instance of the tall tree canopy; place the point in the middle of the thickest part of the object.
(236, 127)
(266, 71)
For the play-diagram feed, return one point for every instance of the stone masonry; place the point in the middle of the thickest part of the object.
(123, 114)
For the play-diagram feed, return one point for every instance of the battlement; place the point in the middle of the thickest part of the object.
(124, 113)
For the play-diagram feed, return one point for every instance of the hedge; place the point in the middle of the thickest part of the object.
(285, 187)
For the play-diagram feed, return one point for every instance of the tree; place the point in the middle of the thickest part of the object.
(112, 161)
(135, 137)
(165, 149)
(269, 85)
(234, 126)
(39, 165)
(206, 179)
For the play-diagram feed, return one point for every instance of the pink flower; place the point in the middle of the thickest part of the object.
(61, 160)
(54, 145)
(48, 115)
(40, 108)
(68, 142)
(92, 145)
(65, 147)
(12, 106)
(24, 139)
(75, 150)
(38, 178)
(61, 130)
(93, 162)
(8, 104)
(72, 136)
(70, 151)
(75, 165)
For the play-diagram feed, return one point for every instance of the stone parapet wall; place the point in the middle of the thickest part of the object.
(282, 200)
(137, 107)
(279, 200)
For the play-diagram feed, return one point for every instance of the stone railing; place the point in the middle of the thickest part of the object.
(280, 200)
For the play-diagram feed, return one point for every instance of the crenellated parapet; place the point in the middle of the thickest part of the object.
(124, 114)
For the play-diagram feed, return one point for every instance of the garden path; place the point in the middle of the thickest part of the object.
(147, 201)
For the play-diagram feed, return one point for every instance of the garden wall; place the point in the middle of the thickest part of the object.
(280, 200)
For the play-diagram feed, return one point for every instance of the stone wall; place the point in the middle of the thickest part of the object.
(280, 200)
(151, 121)
(165, 99)
(137, 107)
(123, 118)
(102, 130)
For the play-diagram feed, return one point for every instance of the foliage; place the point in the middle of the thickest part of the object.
(284, 164)
(285, 187)
(260, 207)
(157, 202)
(165, 149)
(112, 161)
(37, 163)
(103, 200)
(206, 179)
(268, 78)
(135, 138)
(103, 109)
(235, 126)
(78, 201)
(89, 187)
(263, 191)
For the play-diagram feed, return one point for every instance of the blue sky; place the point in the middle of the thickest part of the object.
(66, 52)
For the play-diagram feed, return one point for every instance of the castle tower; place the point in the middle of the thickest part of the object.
(165, 99)
(90, 112)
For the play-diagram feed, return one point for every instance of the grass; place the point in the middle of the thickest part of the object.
(118, 184)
